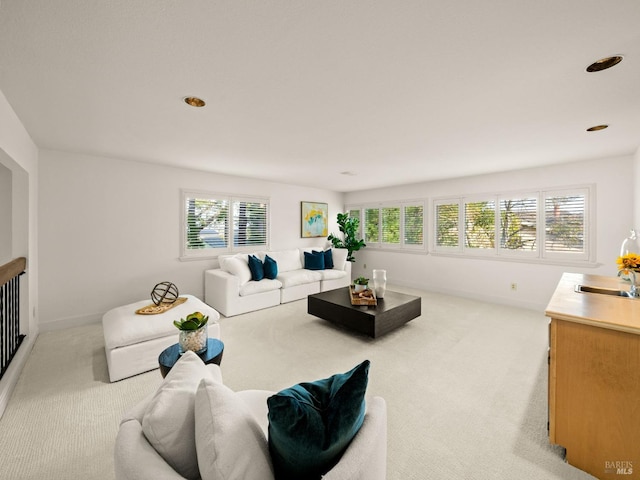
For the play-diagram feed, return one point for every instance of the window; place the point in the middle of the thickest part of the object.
(479, 225)
(548, 225)
(519, 223)
(391, 225)
(565, 223)
(398, 225)
(371, 225)
(413, 225)
(446, 218)
(215, 224)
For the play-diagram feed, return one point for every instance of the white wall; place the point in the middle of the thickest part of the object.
(491, 279)
(19, 154)
(5, 211)
(636, 191)
(110, 230)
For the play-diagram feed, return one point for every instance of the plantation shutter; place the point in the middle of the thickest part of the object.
(565, 223)
(372, 225)
(414, 225)
(447, 224)
(249, 223)
(206, 223)
(518, 223)
(391, 225)
(479, 218)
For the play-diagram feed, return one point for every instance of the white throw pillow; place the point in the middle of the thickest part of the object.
(339, 256)
(168, 422)
(287, 260)
(229, 441)
(237, 267)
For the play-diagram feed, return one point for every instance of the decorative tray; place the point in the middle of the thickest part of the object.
(366, 297)
(163, 307)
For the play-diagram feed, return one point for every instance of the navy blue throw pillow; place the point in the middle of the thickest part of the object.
(314, 260)
(270, 268)
(312, 424)
(256, 267)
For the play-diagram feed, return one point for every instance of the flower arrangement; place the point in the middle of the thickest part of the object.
(361, 281)
(628, 262)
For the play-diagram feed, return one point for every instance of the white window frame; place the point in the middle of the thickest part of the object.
(213, 252)
(586, 256)
(401, 246)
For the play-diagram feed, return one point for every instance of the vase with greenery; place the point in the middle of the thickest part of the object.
(349, 228)
(193, 332)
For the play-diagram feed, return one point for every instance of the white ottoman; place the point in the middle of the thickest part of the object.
(133, 342)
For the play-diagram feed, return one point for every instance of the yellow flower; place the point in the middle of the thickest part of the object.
(630, 261)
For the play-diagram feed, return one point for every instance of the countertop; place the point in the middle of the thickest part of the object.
(605, 311)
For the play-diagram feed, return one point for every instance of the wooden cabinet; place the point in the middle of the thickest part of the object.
(594, 378)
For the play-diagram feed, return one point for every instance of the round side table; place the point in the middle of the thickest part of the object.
(170, 355)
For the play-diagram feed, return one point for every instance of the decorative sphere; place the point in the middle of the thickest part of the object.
(164, 292)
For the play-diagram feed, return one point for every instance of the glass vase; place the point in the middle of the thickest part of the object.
(380, 282)
(194, 340)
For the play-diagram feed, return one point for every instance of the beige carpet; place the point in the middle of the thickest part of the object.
(465, 385)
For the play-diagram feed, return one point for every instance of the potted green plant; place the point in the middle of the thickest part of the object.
(193, 332)
(349, 227)
(360, 284)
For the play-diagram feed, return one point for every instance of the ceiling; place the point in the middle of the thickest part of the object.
(345, 95)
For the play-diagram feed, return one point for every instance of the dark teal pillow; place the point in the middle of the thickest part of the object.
(314, 260)
(256, 267)
(311, 424)
(328, 259)
(270, 268)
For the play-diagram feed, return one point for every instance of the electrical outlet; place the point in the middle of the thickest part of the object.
(364, 266)
(514, 286)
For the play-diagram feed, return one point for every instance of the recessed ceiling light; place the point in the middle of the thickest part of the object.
(350, 174)
(597, 127)
(604, 63)
(194, 101)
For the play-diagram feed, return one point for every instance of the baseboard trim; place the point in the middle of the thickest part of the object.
(69, 322)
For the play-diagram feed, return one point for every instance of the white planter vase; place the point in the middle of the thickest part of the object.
(359, 288)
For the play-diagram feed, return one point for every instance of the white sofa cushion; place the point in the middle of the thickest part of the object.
(168, 421)
(332, 274)
(230, 443)
(235, 265)
(287, 260)
(264, 285)
(299, 277)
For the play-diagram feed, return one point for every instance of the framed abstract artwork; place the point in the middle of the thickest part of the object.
(314, 219)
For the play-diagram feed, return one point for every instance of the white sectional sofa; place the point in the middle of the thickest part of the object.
(231, 290)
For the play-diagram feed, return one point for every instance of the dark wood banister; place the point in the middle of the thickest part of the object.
(12, 269)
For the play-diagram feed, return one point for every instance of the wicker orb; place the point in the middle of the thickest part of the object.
(164, 292)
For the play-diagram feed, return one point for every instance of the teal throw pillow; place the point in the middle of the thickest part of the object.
(270, 268)
(314, 260)
(256, 267)
(312, 424)
(328, 259)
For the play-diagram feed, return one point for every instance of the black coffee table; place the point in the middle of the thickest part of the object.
(392, 311)
(170, 355)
